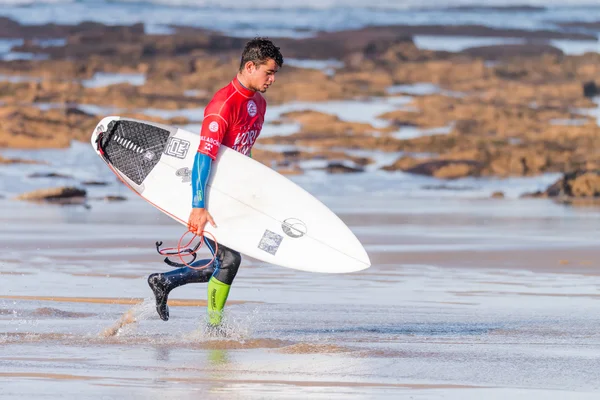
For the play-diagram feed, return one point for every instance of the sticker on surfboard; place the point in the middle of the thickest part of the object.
(270, 242)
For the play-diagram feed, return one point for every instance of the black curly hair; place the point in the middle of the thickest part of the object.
(259, 50)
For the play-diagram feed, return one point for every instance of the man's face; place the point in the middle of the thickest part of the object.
(262, 76)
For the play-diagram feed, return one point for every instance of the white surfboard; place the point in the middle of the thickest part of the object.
(258, 212)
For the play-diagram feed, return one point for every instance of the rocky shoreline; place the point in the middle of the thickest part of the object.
(511, 110)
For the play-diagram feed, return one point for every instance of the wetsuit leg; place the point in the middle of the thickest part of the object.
(228, 262)
(221, 280)
(219, 275)
(162, 284)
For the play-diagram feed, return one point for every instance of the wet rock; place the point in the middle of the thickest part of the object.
(268, 158)
(403, 163)
(516, 162)
(497, 195)
(112, 198)
(499, 52)
(18, 161)
(76, 111)
(586, 185)
(125, 46)
(533, 195)
(590, 89)
(383, 55)
(291, 154)
(289, 170)
(359, 37)
(12, 29)
(318, 129)
(314, 85)
(576, 184)
(446, 169)
(54, 194)
(49, 175)
(95, 183)
(31, 128)
(502, 115)
(341, 168)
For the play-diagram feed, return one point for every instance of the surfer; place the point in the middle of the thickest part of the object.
(233, 118)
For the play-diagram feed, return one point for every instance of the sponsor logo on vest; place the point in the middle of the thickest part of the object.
(210, 140)
(207, 143)
(252, 109)
(246, 137)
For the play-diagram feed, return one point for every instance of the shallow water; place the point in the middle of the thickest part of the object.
(465, 298)
(101, 79)
(295, 18)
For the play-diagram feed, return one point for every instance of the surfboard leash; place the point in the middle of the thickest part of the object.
(185, 250)
(178, 251)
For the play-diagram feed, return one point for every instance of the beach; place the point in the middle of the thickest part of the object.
(473, 299)
(459, 142)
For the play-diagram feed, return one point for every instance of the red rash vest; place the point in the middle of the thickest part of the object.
(234, 117)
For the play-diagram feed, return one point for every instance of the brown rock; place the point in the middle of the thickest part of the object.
(590, 89)
(53, 194)
(339, 168)
(446, 169)
(18, 161)
(114, 198)
(506, 51)
(289, 170)
(95, 183)
(534, 195)
(22, 127)
(503, 116)
(49, 175)
(403, 163)
(454, 171)
(323, 130)
(576, 184)
(586, 185)
(12, 29)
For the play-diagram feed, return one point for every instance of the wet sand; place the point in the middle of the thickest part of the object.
(465, 299)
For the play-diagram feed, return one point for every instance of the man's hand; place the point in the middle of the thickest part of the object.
(198, 219)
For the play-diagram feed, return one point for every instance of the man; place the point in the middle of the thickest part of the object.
(234, 118)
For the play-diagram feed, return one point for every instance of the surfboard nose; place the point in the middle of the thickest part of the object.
(101, 128)
(360, 257)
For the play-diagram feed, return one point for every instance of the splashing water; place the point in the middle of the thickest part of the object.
(128, 321)
(233, 327)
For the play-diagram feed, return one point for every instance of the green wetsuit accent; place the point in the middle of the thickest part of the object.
(217, 296)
